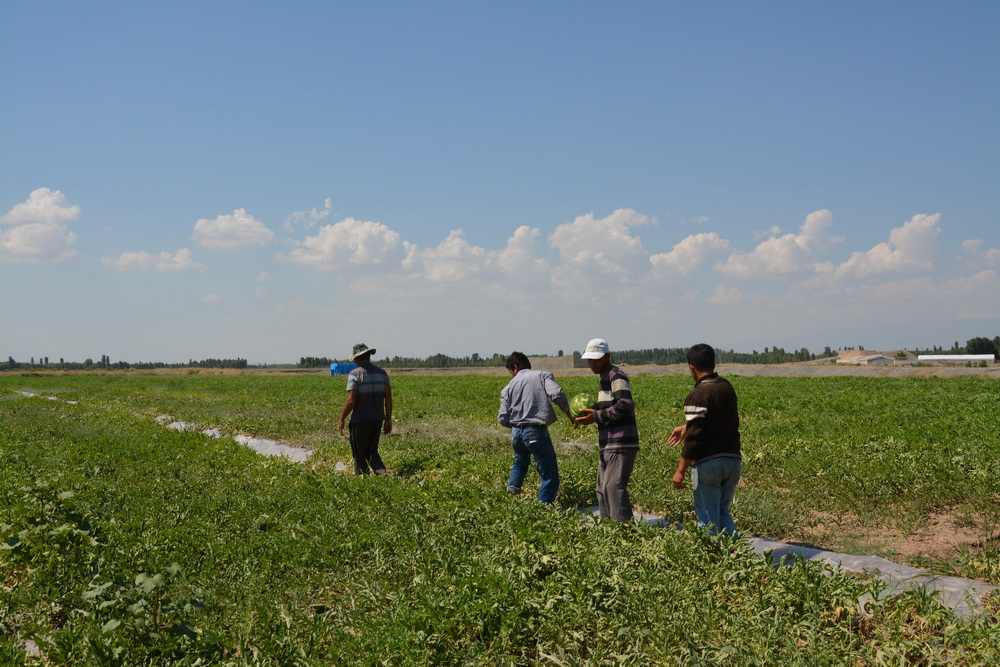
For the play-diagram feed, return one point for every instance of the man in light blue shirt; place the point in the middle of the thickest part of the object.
(526, 409)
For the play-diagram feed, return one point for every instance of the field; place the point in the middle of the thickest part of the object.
(124, 542)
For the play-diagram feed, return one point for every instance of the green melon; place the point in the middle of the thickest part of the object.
(581, 401)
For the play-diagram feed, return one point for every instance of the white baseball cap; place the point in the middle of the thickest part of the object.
(596, 349)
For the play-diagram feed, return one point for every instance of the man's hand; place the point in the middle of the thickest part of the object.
(677, 436)
(387, 426)
(341, 428)
(678, 480)
(586, 417)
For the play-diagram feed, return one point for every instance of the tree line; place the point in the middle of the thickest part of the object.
(105, 363)
(678, 355)
(977, 345)
(655, 356)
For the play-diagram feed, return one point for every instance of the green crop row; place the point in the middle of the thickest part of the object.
(124, 542)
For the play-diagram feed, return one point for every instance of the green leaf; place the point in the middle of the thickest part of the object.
(149, 583)
(110, 625)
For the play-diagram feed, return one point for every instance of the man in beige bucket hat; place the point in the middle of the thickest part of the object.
(369, 403)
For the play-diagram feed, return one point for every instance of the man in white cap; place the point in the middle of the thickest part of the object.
(617, 432)
(369, 403)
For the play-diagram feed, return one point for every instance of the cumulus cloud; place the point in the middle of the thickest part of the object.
(517, 261)
(786, 255)
(39, 228)
(349, 244)
(689, 254)
(600, 249)
(232, 232)
(164, 261)
(453, 260)
(911, 248)
(308, 219)
(975, 257)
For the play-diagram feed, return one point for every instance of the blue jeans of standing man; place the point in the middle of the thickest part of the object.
(534, 441)
(714, 483)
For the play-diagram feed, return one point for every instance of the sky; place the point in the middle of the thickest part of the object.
(267, 181)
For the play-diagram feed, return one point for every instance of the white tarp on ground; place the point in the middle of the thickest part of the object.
(962, 595)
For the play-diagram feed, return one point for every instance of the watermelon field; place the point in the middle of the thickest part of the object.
(123, 542)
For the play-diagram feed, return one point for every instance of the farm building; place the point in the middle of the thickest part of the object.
(342, 369)
(558, 363)
(867, 360)
(956, 358)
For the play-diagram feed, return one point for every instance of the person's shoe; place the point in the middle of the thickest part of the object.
(513, 490)
(380, 472)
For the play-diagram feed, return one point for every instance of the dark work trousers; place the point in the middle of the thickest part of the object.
(613, 472)
(364, 447)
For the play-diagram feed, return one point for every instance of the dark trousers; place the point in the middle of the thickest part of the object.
(364, 447)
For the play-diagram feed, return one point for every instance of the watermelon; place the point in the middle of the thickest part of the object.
(581, 401)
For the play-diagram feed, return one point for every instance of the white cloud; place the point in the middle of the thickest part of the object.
(44, 206)
(211, 298)
(518, 261)
(911, 248)
(39, 229)
(689, 254)
(773, 230)
(232, 232)
(600, 250)
(411, 285)
(164, 261)
(263, 276)
(352, 243)
(307, 219)
(974, 257)
(786, 255)
(453, 260)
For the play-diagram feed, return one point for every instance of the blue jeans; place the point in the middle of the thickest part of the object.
(534, 441)
(714, 483)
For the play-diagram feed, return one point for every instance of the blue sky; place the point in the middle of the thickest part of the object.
(185, 180)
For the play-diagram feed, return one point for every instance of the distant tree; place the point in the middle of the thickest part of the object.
(561, 353)
(980, 346)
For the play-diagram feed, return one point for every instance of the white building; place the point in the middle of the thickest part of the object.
(957, 358)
